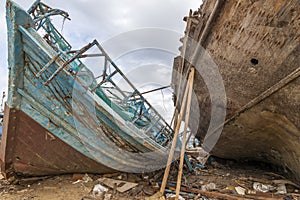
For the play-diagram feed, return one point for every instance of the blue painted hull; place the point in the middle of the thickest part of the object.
(48, 123)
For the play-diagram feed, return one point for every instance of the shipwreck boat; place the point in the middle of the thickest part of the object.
(256, 48)
(60, 117)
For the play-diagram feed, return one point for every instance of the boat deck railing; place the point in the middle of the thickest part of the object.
(111, 85)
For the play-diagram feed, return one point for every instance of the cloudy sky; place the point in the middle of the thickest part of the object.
(135, 33)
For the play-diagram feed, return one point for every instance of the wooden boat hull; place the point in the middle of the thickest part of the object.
(30, 149)
(56, 122)
(256, 46)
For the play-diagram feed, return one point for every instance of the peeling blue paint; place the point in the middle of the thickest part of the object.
(99, 123)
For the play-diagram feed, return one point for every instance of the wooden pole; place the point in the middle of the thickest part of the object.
(175, 117)
(183, 143)
(171, 154)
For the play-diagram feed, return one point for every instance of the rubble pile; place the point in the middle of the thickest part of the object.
(219, 179)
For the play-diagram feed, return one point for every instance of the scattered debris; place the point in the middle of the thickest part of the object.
(107, 196)
(200, 154)
(99, 191)
(76, 177)
(149, 190)
(170, 195)
(85, 179)
(240, 190)
(259, 187)
(224, 182)
(231, 189)
(156, 196)
(184, 194)
(31, 180)
(214, 194)
(11, 179)
(281, 189)
(286, 182)
(24, 190)
(111, 175)
(120, 186)
(208, 187)
(251, 192)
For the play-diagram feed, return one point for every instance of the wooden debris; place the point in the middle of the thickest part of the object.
(156, 196)
(175, 137)
(31, 180)
(119, 185)
(287, 182)
(183, 142)
(149, 190)
(282, 181)
(111, 175)
(240, 184)
(1, 177)
(76, 177)
(219, 195)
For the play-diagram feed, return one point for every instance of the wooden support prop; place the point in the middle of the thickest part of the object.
(182, 109)
(183, 143)
(180, 73)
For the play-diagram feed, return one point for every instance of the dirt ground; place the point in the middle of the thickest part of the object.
(219, 178)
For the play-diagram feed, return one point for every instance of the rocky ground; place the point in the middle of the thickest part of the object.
(219, 180)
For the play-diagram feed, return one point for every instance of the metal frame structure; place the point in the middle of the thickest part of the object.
(132, 101)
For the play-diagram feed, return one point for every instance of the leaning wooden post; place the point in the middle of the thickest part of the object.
(183, 143)
(171, 154)
(186, 38)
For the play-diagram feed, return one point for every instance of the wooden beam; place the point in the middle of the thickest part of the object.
(183, 143)
(171, 154)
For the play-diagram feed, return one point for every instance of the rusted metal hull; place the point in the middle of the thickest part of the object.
(29, 149)
(256, 46)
